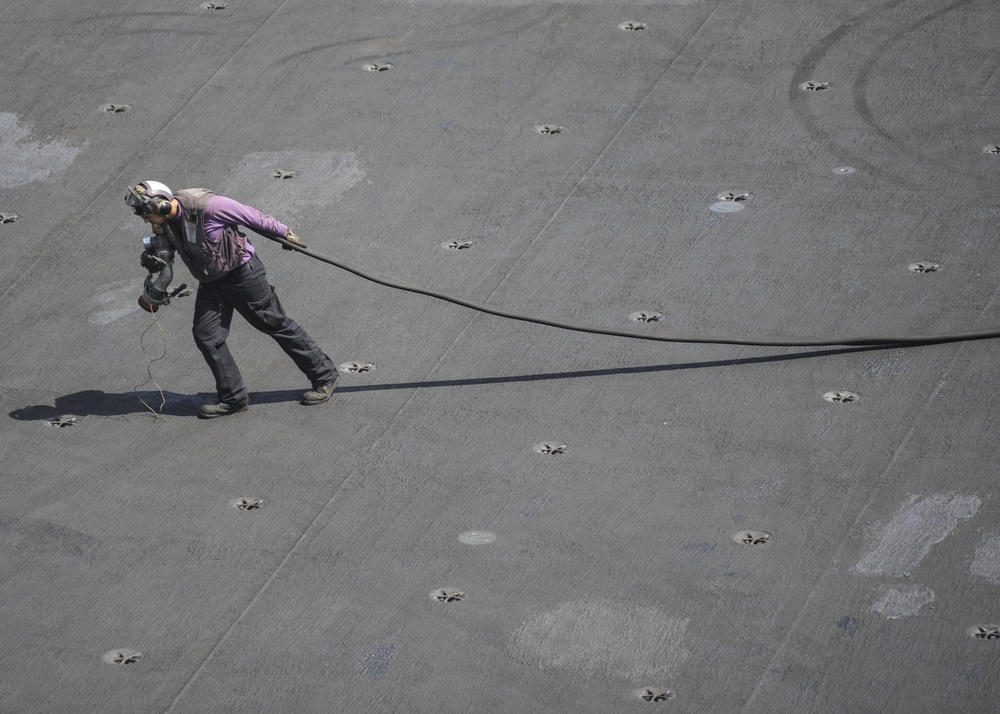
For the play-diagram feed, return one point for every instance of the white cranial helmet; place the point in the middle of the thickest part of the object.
(160, 190)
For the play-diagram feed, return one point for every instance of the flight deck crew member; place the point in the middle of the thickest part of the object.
(203, 227)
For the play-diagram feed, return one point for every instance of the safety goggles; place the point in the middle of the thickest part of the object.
(138, 202)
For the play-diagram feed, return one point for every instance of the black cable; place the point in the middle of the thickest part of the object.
(636, 334)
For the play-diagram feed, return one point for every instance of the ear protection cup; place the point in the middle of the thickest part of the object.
(161, 207)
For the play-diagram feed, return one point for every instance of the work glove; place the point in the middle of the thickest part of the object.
(294, 240)
(150, 262)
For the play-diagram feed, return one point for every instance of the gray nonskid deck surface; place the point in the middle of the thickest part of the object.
(500, 516)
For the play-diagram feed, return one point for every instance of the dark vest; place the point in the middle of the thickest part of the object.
(206, 260)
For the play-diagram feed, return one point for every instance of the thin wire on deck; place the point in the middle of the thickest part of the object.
(149, 369)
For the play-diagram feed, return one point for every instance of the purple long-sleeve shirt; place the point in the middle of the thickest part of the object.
(222, 211)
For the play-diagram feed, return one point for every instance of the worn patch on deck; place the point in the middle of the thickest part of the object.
(620, 640)
(375, 659)
(22, 161)
(916, 527)
(115, 301)
(903, 601)
(314, 179)
(40, 536)
(987, 561)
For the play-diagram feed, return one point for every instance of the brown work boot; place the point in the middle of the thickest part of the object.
(214, 411)
(320, 392)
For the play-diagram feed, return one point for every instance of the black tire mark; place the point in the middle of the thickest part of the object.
(800, 102)
(863, 80)
(501, 16)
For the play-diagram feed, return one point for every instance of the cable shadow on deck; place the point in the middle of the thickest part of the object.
(94, 402)
(610, 372)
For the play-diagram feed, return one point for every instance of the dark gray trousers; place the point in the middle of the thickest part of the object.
(247, 291)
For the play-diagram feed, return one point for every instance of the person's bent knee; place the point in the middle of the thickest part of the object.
(207, 341)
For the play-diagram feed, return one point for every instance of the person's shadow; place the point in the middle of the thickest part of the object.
(93, 402)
